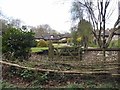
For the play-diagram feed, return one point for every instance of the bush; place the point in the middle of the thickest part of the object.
(27, 74)
(79, 39)
(69, 40)
(35, 43)
(42, 43)
(16, 44)
(41, 78)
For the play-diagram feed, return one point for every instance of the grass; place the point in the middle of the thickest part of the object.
(39, 49)
(56, 45)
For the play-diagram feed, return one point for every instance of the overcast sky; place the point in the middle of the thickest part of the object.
(52, 12)
(36, 12)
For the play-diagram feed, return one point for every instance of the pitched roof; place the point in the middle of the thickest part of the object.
(53, 36)
(106, 33)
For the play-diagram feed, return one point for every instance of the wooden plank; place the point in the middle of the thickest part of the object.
(56, 71)
(116, 75)
(92, 49)
(99, 49)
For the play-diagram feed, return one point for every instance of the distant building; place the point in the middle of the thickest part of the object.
(53, 37)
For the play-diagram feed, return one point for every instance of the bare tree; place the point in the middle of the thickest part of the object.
(98, 21)
(42, 30)
(97, 16)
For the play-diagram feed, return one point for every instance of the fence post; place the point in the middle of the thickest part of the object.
(118, 71)
(80, 53)
(50, 50)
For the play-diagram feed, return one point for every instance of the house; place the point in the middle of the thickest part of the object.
(97, 33)
(106, 33)
(65, 36)
(53, 37)
(116, 35)
(37, 38)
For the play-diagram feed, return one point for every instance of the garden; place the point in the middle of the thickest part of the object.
(40, 57)
(62, 68)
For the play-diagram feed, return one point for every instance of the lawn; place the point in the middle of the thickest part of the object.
(41, 49)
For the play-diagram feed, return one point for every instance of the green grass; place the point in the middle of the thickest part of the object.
(39, 49)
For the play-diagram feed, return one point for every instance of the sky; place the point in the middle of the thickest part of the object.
(36, 12)
(55, 13)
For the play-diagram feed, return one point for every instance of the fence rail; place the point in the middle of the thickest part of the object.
(99, 49)
(91, 49)
(100, 72)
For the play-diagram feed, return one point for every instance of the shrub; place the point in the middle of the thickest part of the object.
(42, 43)
(79, 39)
(69, 40)
(35, 43)
(27, 74)
(16, 44)
(41, 78)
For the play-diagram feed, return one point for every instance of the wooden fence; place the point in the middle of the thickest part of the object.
(78, 52)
